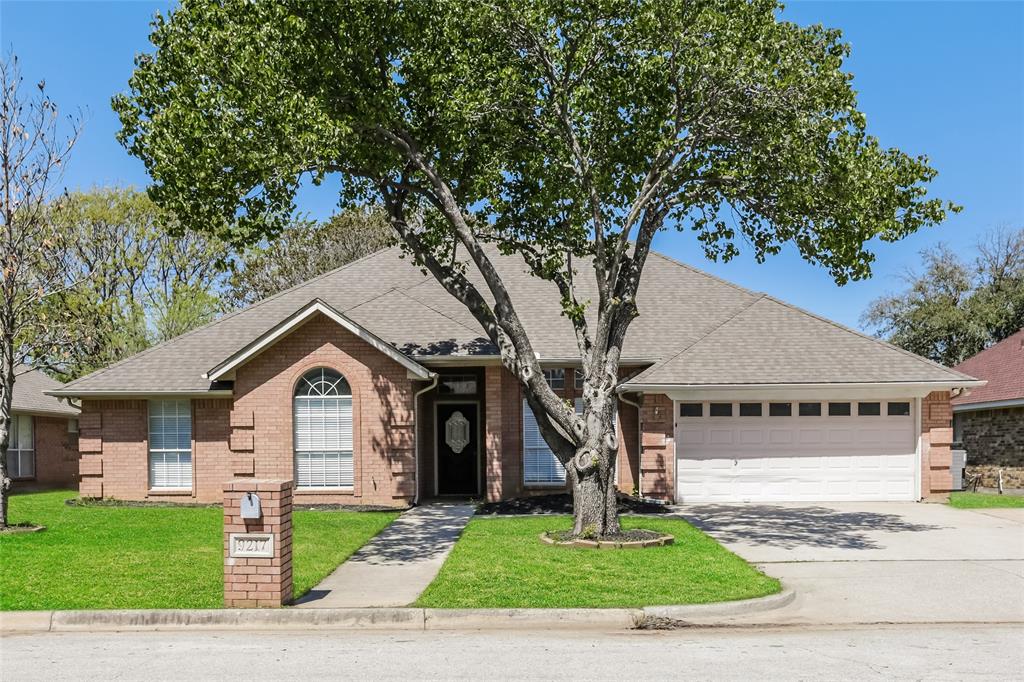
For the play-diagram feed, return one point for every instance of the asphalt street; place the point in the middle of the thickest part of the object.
(933, 652)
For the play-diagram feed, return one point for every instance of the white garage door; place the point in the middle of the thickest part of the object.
(794, 452)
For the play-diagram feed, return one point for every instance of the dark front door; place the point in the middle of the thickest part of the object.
(458, 449)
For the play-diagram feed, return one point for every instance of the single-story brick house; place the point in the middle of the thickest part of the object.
(371, 385)
(989, 422)
(43, 446)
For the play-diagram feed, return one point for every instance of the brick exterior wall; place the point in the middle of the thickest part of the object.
(112, 438)
(383, 414)
(936, 442)
(993, 437)
(657, 455)
(251, 435)
(56, 455)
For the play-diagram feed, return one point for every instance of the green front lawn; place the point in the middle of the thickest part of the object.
(150, 557)
(984, 500)
(499, 562)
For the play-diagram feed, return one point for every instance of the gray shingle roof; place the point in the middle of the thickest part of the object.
(771, 342)
(28, 395)
(679, 306)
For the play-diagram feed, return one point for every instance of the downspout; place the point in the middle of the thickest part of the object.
(639, 445)
(416, 448)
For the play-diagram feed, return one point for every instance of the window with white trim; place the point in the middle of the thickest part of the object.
(540, 465)
(322, 408)
(170, 444)
(21, 453)
(555, 378)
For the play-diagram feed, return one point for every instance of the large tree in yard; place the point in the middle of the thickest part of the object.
(568, 132)
(956, 307)
(33, 254)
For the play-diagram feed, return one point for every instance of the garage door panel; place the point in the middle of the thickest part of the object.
(802, 459)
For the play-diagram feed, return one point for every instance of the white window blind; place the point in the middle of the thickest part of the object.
(540, 464)
(21, 455)
(323, 431)
(170, 444)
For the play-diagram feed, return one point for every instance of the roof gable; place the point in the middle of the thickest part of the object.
(289, 324)
(1003, 366)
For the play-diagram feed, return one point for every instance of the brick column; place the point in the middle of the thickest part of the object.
(936, 445)
(258, 552)
(657, 454)
(494, 432)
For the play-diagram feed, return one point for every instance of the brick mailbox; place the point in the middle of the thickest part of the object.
(257, 543)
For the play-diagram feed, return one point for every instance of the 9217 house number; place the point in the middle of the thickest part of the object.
(251, 545)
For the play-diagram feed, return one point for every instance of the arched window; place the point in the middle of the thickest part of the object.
(323, 430)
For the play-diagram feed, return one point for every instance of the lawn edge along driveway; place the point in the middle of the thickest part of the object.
(967, 500)
(110, 557)
(500, 563)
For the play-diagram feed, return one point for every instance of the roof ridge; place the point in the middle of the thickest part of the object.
(225, 317)
(880, 342)
(714, 328)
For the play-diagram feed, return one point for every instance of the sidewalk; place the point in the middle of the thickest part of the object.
(396, 566)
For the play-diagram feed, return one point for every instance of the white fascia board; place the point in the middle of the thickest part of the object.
(991, 405)
(47, 413)
(134, 393)
(316, 306)
(863, 390)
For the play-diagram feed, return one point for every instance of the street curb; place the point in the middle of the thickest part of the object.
(725, 608)
(372, 618)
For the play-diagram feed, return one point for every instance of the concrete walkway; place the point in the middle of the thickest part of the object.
(397, 565)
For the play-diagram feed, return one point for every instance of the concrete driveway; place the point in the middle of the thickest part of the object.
(898, 562)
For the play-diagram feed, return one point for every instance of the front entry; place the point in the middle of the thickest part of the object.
(458, 449)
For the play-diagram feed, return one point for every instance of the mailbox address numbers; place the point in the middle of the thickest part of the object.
(251, 545)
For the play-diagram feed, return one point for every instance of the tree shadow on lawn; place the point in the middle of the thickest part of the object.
(792, 527)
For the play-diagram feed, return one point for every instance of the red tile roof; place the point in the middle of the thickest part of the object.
(1002, 365)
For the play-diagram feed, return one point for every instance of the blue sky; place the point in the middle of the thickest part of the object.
(944, 79)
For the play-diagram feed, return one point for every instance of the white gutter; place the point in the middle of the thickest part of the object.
(217, 393)
(933, 385)
(416, 437)
(991, 405)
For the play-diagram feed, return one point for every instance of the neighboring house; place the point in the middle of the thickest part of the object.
(43, 446)
(371, 385)
(989, 421)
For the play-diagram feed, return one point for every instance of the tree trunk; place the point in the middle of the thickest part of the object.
(6, 392)
(594, 504)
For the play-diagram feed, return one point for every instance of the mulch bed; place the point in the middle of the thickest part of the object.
(636, 538)
(561, 503)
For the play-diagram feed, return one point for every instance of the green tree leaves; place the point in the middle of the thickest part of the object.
(957, 307)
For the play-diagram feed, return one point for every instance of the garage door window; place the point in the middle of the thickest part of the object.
(898, 409)
(869, 409)
(839, 409)
(780, 410)
(721, 410)
(750, 409)
(691, 410)
(810, 409)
